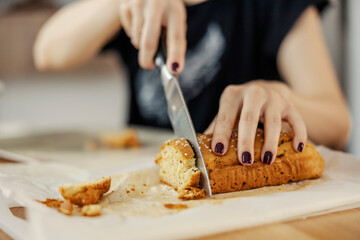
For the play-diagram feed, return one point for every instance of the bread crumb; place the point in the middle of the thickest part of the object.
(91, 210)
(191, 193)
(175, 205)
(52, 203)
(67, 208)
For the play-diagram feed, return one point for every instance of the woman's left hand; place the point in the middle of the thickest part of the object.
(241, 106)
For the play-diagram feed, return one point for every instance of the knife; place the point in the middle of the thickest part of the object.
(179, 114)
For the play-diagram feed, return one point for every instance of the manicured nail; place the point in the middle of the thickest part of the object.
(175, 66)
(219, 148)
(268, 157)
(246, 157)
(301, 147)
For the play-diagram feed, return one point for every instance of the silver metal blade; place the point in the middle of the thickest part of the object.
(181, 121)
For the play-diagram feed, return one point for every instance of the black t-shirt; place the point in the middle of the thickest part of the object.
(228, 42)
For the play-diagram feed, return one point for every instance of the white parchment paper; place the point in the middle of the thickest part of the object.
(338, 188)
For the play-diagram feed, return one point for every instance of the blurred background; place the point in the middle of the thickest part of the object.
(95, 95)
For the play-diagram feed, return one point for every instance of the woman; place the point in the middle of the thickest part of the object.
(238, 62)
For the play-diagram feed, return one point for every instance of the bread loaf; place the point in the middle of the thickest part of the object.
(177, 165)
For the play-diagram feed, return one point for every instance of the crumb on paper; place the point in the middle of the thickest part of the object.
(80, 197)
(52, 203)
(175, 205)
(67, 208)
(191, 193)
(91, 210)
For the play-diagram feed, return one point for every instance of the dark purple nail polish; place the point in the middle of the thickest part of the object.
(301, 147)
(175, 66)
(219, 148)
(246, 157)
(268, 157)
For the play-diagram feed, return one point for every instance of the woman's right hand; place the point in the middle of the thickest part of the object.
(143, 20)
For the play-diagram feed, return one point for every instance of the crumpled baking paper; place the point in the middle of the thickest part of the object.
(129, 216)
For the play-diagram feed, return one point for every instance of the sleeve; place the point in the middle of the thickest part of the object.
(282, 16)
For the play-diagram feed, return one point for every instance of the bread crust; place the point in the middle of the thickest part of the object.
(86, 193)
(228, 175)
(182, 145)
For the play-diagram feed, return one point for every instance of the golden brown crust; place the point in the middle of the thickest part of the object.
(126, 139)
(86, 193)
(227, 174)
(52, 203)
(191, 193)
(182, 145)
(157, 158)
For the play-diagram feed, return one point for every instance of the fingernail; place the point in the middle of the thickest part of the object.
(301, 147)
(246, 157)
(175, 66)
(268, 157)
(219, 148)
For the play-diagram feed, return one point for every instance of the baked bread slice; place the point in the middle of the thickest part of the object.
(85, 193)
(227, 174)
(177, 164)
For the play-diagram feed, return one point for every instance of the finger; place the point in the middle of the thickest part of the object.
(299, 128)
(137, 23)
(249, 118)
(210, 128)
(150, 34)
(272, 125)
(125, 18)
(225, 120)
(176, 39)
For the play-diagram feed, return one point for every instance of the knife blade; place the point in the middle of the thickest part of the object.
(179, 115)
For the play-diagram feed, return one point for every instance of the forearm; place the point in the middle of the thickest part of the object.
(327, 120)
(305, 64)
(75, 34)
